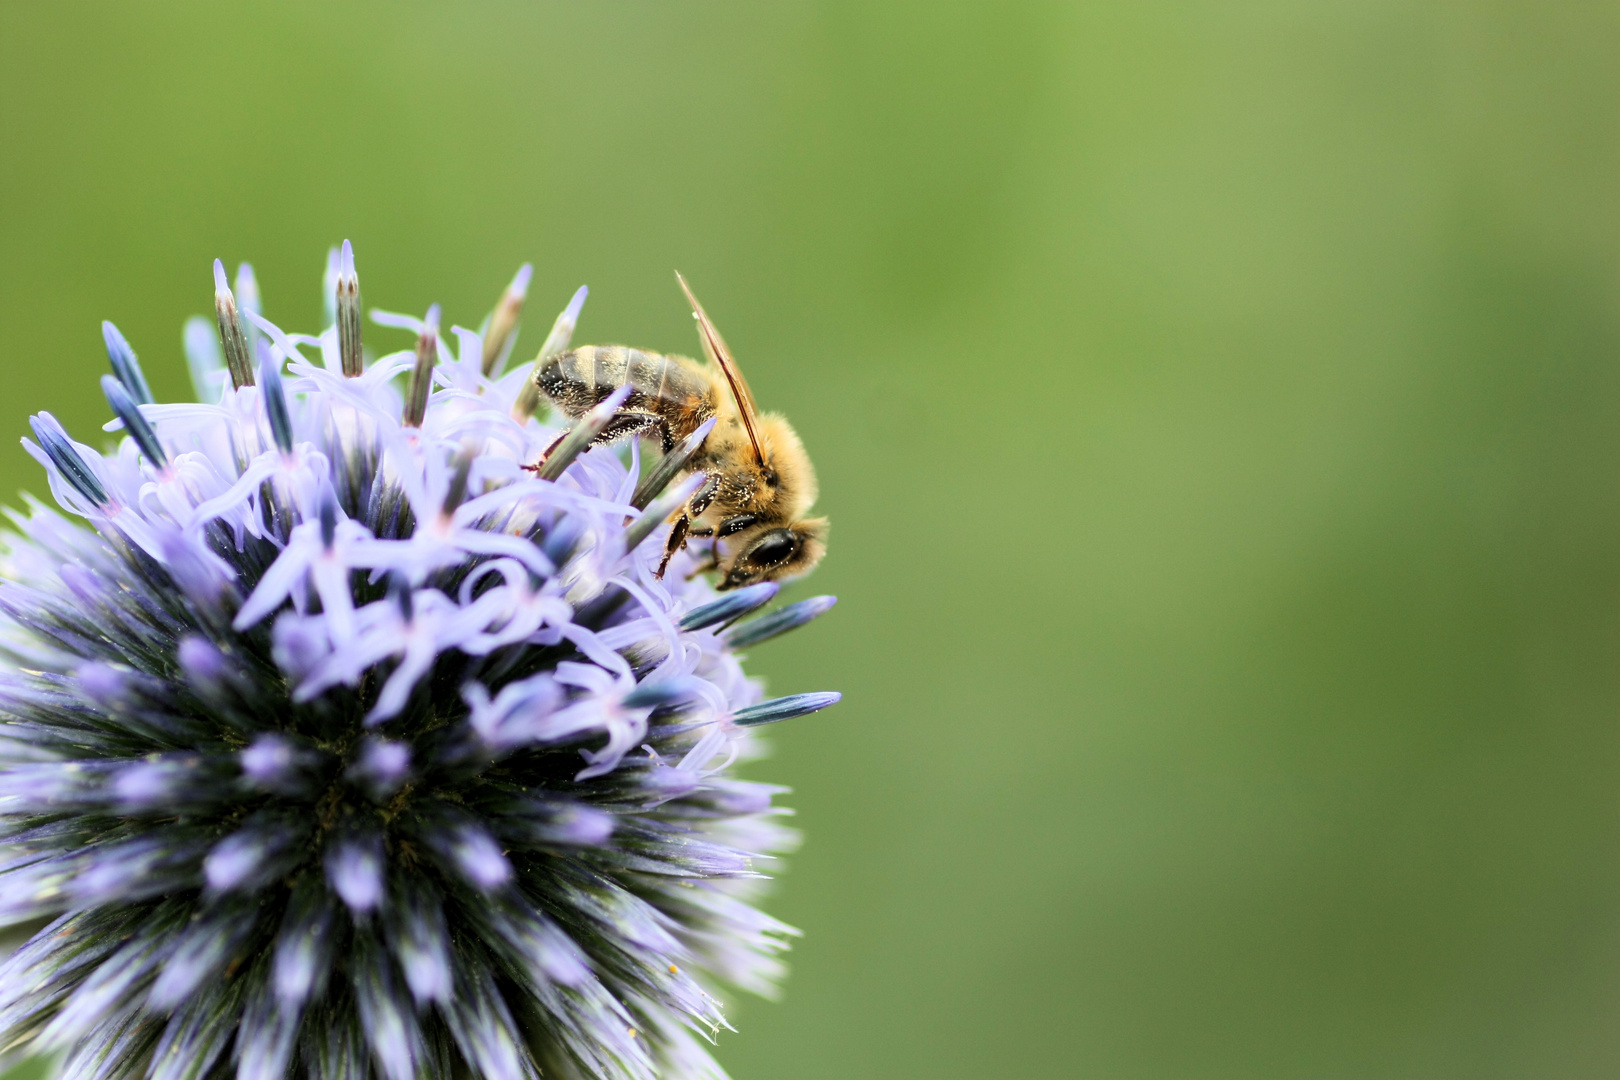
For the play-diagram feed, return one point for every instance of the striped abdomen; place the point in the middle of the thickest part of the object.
(667, 387)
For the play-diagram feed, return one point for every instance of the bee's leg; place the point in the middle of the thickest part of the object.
(627, 422)
(700, 501)
(695, 506)
(548, 450)
(624, 423)
(677, 540)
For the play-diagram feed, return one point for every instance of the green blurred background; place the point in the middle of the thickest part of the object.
(1218, 407)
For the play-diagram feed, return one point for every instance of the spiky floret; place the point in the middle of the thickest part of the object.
(339, 745)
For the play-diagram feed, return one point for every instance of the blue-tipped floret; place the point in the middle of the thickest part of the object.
(67, 460)
(730, 607)
(785, 708)
(778, 622)
(275, 403)
(125, 366)
(124, 407)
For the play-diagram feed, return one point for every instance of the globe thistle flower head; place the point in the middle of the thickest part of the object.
(338, 743)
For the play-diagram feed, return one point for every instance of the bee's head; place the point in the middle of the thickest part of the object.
(769, 552)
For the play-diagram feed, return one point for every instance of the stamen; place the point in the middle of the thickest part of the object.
(784, 708)
(354, 869)
(779, 622)
(399, 589)
(329, 280)
(672, 463)
(247, 289)
(427, 354)
(652, 695)
(659, 512)
(456, 491)
(125, 366)
(275, 403)
(248, 299)
(562, 332)
(561, 541)
(380, 768)
(503, 323)
(328, 522)
(731, 606)
(348, 313)
(329, 290)
(580, 435)
(203, 358)
(73, 468)
(123, 405)
(231, 336)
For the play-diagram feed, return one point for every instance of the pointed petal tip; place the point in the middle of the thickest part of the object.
(117, 346)
(220, 284)
(603, 411)
(613, 401)
(702, 432)
(571, 312)
(346, 260)
(520, 281)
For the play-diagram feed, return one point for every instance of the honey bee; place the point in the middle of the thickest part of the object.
(760, 480)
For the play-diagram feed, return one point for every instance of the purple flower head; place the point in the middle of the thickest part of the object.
(339, 743)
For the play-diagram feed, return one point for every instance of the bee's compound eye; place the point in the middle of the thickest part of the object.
(776, 546)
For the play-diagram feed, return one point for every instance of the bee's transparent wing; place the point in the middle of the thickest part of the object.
(714, 349)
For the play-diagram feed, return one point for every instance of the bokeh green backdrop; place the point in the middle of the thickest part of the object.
(1218, 406)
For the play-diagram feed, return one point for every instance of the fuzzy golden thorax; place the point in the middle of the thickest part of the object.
(776, 492)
